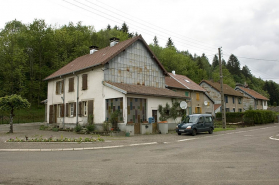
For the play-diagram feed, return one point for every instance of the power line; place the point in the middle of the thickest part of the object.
(116, 20)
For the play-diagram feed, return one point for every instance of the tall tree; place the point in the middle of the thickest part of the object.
(215, 61)
(170, 43)
(108, 27)
(155, 41)
(124, 28)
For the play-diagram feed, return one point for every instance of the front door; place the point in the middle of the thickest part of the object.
(154, 126)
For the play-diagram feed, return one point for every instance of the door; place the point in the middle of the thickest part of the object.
(208, 122)
(200, 124)
(154, 125)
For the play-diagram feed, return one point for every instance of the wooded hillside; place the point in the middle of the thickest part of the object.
(31, 52)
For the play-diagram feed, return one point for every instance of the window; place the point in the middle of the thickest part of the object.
(71, 84)
(233, 99)
(256, 102)
(226, 99)
(239, 100)
(239, 110)
(198, 110)
(186, 93)
(84, 82)
(85, 108)
(59, 87)
(264, 103)
(227, 109)
(198, 96)
(233, 109)
(72, 109)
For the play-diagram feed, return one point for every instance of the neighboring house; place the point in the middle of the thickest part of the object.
(232, 98)
(252, 99)
(199, 101)
(124, 76)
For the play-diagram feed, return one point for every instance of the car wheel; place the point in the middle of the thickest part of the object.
(194, 132)
(210, 130)
(178, 133)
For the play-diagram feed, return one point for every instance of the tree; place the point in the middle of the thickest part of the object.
(12, 103)
(108, 27)
(155, 41)
(124, 28)
(170, 43)
(233, 65)
(215, 62)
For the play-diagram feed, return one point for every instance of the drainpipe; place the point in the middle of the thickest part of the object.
(77, 100)
(64, 109)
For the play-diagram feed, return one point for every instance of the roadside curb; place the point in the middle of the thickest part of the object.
(74, 149)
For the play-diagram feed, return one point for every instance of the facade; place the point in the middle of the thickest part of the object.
(252, 99)
(199, 102)
(125, 76)
(232, 98)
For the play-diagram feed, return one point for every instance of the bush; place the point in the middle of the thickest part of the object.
(90, 128)
(106, 126)
(232, 117)
(259, 116)
(78, 128)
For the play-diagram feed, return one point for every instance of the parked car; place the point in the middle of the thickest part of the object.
(196, 123)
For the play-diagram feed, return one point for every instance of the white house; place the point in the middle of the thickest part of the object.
(124, 76)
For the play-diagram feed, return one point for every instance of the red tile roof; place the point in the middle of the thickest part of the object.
(181, 81)
(100, 57)
(252, 93)
(227, 89)
(145, 90)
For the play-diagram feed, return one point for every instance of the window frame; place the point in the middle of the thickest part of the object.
(85, 106)
(72, 107)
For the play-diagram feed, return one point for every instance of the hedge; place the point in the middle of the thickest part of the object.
(232, 117)
(259, 116)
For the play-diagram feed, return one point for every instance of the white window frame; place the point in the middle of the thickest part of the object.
(71, 109)
(85, 105)
(59, 110)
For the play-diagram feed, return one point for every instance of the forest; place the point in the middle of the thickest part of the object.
(31, 52)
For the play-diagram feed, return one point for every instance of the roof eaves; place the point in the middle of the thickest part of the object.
(172, 76)
(245, 92)
(73, 72)
(115, 88)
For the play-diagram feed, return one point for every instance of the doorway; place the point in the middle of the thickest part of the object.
(154, 125)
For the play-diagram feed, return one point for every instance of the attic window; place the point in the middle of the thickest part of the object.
(187, 81)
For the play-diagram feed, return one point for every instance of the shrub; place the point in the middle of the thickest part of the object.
(90, 128)
(259, 116)
(106, 126)
(232, 117)
(55, 129)
(78, 128)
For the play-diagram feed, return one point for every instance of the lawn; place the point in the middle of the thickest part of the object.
(221, 129)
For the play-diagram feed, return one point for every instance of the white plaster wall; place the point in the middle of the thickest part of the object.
(264, 106)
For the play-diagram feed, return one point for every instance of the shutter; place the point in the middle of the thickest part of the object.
(67, 110)
(62, 88)
(50, 114)
(90, 107)
(79, 109)
(75, 109)
(57, 87)
(84, 81)
(71, 85)
(196, 110)
(55, 114)
(62, 110)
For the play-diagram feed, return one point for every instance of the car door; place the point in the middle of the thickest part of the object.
(207, 122)
(200, 124)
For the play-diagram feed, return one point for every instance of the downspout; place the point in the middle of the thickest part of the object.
(77, 100)
(64, 106)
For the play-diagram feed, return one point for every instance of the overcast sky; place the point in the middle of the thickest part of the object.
(245, 28)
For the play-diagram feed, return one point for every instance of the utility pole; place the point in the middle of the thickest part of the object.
(222, 92)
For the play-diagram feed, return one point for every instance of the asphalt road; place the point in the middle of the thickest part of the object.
(245, 156)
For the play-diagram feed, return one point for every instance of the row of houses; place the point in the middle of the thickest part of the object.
(127, 76)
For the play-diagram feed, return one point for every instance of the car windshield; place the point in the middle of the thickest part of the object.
(191, 119)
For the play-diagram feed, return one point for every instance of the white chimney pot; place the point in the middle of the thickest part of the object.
(173, 72)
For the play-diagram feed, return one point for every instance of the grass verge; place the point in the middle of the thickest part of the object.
(221, 129)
